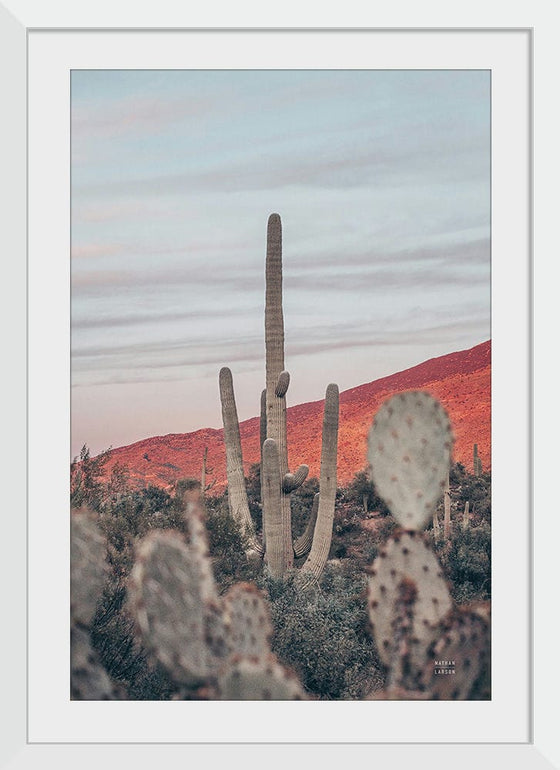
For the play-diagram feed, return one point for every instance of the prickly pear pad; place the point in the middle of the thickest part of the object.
(168, 605)
(406, 558)
(462, 651)
(248, 621)
(247, 679)
(88, 568)
(409, 450)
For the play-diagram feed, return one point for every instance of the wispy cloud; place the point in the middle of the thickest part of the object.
(131, 115)
(136, 363)
(382, 181)
(144, 319)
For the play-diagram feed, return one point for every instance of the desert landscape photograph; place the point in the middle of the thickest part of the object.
(281, 460)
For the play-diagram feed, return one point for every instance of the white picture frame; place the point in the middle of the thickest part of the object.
(19, 20)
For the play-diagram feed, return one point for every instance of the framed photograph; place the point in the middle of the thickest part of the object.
(89, 185)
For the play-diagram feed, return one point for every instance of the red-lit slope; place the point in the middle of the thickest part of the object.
(461, 381)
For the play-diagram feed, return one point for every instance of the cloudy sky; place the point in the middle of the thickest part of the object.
(382, 181)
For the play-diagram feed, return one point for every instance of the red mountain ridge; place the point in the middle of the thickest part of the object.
(461, 381)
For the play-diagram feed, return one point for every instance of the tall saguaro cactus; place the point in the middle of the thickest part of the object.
(277, 482)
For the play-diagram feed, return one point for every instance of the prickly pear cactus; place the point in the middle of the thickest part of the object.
(88, 572)
(173, 606)
(415, 624)
(406, 559)
(461, 651)
(212, 647)
(409, 450)
(248, 621)
(88, 567)
(247, 679)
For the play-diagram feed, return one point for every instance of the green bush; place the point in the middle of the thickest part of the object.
(467, 562)
(323, 634)
(227, 549)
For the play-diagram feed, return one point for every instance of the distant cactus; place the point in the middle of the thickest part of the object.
(476, 461)
(414, 621)
(206, 471)
(277, 482)
(466, 515)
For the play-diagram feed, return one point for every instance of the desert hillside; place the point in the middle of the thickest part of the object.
(460, 380)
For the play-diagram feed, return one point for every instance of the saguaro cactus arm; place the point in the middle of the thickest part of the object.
(262, 423)
(292, 481)
(302, 545)
(322, 537)
(237, 492)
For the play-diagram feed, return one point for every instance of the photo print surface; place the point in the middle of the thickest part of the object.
(281, 366)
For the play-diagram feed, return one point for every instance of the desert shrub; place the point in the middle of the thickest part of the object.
(227, 550)
(87, 487)
(362, 494)
(467, 561)
(476, 490)
(253, 486)
(113, 637)
(323, 634)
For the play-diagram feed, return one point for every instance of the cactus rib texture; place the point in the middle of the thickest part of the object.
(237, 492)
(322, 537)
(302, 544)
(292, 481)
(277, 482)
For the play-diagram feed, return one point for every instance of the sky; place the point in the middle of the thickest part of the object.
(382, 182)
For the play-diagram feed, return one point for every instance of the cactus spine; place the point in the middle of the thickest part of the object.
(277, 482)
